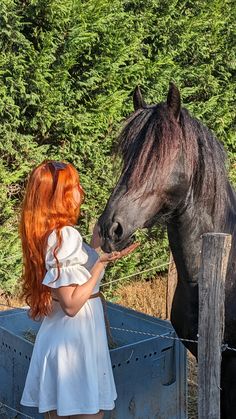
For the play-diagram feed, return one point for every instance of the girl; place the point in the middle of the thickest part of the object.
(70, 372)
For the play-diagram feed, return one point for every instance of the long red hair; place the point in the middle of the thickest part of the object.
(48, 205)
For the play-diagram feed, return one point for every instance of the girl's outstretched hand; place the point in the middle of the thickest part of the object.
(113, 256)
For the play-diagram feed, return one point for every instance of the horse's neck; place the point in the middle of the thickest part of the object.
(186, 229)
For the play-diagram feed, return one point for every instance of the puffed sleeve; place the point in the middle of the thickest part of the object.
(71, 257)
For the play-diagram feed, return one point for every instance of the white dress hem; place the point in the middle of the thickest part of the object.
(79, 411)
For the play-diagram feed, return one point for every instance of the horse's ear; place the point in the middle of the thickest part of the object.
(174, 100)
(138, 99)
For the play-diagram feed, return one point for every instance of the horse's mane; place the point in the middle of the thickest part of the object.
(149, 144)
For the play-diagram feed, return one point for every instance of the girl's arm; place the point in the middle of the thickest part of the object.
(73, 297)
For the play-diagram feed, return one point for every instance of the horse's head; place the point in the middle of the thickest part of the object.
(155, 176)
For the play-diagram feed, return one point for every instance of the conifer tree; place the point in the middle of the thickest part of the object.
(67, 72)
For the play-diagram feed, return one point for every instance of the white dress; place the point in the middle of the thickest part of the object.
(70, 369)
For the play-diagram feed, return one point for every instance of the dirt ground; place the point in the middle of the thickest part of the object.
(150, 298)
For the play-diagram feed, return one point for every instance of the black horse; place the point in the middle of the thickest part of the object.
(174, 172)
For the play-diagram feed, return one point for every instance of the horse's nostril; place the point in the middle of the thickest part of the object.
(116, 230)
(119, 230)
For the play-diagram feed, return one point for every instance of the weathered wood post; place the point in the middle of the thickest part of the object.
(171, 285)
(214, 260)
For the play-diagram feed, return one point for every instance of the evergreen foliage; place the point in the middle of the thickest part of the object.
(67, 72)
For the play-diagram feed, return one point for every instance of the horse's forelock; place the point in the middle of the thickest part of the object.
(149, 142)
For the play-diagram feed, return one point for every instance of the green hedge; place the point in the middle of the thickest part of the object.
(67, 72)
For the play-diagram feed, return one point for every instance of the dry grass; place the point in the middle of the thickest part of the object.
(146, 296)
(7, 302)
(192, 387)
(150, 298)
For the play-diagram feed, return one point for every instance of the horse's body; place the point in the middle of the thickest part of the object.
(174, 172)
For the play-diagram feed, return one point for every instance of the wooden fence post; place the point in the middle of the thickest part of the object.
(171, 285)
(214, 260)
